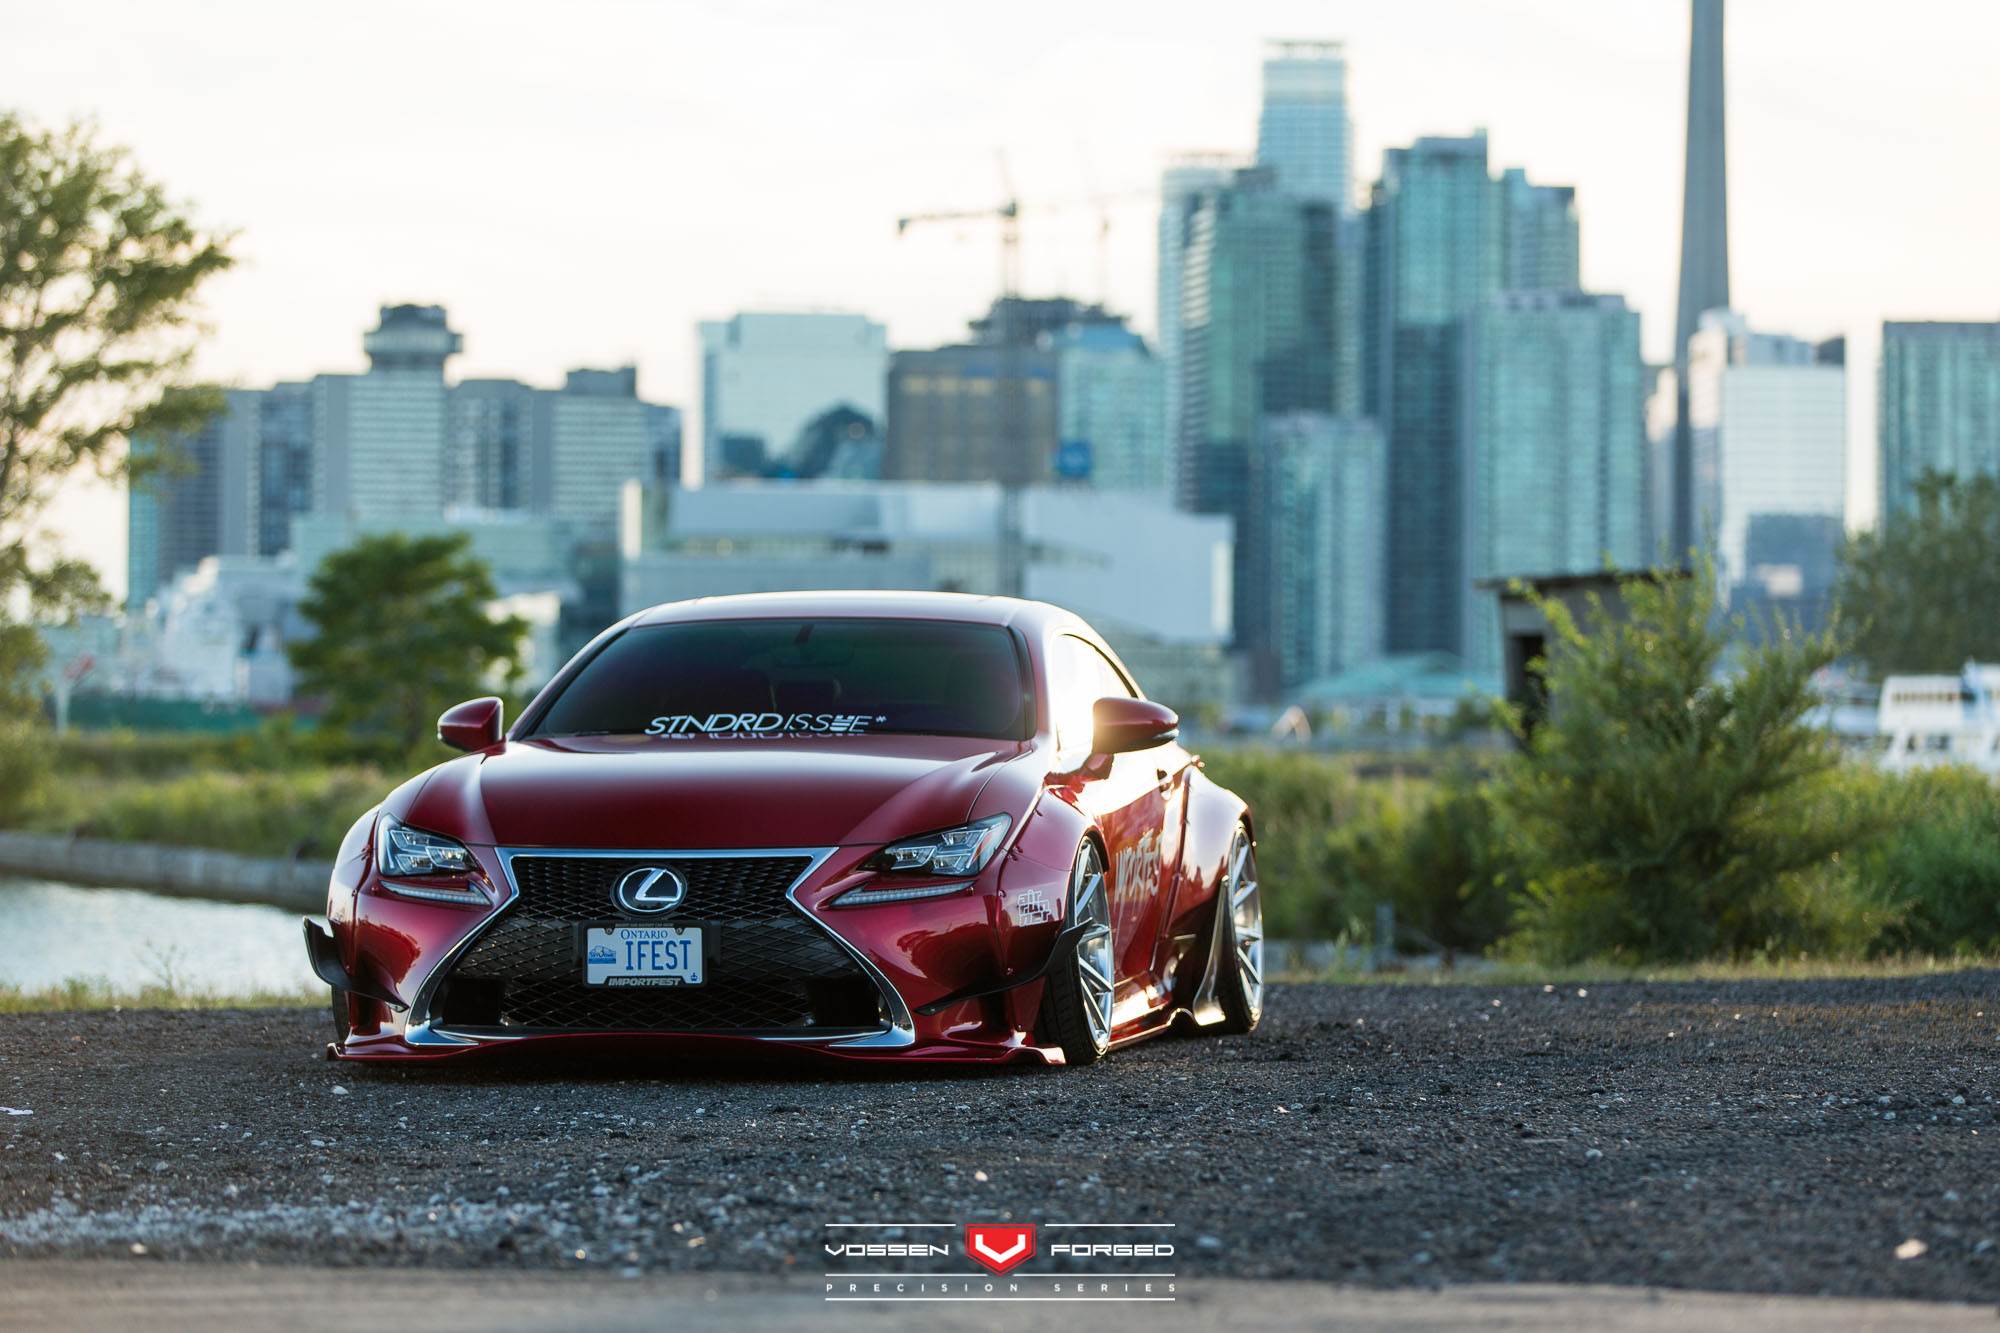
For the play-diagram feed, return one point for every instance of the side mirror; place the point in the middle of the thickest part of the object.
(1120, 726)
(473, 725)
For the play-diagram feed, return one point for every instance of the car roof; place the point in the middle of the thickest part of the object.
(957, 606)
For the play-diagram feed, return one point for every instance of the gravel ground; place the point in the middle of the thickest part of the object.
(1785, 1137)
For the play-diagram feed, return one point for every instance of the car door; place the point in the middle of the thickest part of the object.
(1130, 804)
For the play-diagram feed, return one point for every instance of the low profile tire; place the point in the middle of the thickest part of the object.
(1239, 908)
(1076, 999)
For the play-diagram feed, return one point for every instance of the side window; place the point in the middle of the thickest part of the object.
(1079, 676)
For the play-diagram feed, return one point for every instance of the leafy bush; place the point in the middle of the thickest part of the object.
(1331, 844)
(1668, 806)
(1935, 871)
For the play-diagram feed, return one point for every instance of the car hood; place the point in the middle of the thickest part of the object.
(652, 794)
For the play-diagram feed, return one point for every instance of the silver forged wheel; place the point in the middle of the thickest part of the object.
(1093, 947)
(1241, 991)
(1076, 999)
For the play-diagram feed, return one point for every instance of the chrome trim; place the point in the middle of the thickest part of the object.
(900, 1031)
(417, 1029)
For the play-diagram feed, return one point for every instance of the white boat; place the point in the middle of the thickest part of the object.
(1936, 720)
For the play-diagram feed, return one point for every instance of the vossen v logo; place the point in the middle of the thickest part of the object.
(1018, 1263)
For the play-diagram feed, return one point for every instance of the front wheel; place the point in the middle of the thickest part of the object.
(1076, 998)
(1239, 911)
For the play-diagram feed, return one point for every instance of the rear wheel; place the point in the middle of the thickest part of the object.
(1239, 910)
(1076, 998)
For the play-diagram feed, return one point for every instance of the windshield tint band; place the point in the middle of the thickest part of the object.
(798, 677)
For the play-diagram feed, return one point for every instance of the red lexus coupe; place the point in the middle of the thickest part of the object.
(912, 825)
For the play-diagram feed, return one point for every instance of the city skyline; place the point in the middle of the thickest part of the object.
(358, 191)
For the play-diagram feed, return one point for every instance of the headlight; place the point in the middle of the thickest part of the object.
(402, 850)
(959, 851)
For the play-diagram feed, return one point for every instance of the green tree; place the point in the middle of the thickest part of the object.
(403, 633)
(1670, 803)
(1923, 589)
(99, 273)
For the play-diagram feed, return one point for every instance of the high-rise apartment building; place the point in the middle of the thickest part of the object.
(286, 448)
(597, 442)
(1304, 135)
(1938, 409)
(1433, 253)
(396, 446)
(765, 376)
(1260, 295)
(1553, 448)
(1538, 235)
(381, 435)
(1325, 480)
(1767, 416)
(1181, 188)
(203, 502)
(1442, 237)
(490, 449)
(1110, 408)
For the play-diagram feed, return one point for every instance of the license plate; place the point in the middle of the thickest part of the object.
(643, 956)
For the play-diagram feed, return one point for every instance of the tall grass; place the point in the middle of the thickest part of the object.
(274, 813)
(96, 993)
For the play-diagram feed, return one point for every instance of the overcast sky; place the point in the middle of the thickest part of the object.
(580, 183)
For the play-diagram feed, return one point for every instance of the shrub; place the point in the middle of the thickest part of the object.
(1664, 807)
(1935, 871)
(1331, 844)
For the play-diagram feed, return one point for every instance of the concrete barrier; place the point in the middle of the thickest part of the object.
(183, 872)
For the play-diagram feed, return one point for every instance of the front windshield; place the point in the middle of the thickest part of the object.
(831, 677)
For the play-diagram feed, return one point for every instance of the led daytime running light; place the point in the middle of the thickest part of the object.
(864, 897)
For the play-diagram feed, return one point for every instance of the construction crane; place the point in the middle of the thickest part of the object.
(1009, 213)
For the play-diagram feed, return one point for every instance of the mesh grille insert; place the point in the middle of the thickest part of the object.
(772, 969)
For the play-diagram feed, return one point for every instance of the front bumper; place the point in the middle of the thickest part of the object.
(409, 965)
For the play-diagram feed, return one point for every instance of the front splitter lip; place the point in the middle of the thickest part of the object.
(720, 1047)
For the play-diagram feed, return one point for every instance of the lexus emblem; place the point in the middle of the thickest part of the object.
(650, 889)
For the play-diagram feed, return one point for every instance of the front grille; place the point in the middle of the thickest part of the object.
(772, 969)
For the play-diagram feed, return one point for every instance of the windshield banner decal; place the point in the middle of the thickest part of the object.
(761, 724)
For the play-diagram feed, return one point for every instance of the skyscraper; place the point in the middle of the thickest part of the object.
(597, 441)
(286, 446)
(490, 454)
(1181, 186)
(1554, 447)
(1433, 252)
(1325, 481)
(1704, 239)
(1939, 405)
(204, 502)
(381, 436)
(766, 375)
(1767, 416)
(1303, 133)
(1258, 322)
(1538, 235)
(1110, 407)
(1442, 236)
